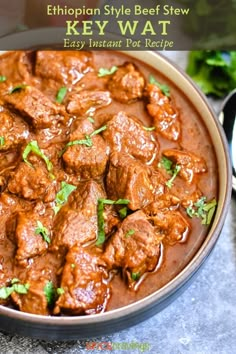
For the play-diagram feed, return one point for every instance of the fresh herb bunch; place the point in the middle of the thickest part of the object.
(214, 71)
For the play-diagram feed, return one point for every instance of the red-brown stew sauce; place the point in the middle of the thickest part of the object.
(101, 167)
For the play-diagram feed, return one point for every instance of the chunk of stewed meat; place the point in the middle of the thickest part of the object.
(169, 224)
(36, 299)
(84, 284)
(126, 84)
(35, 107)
(190, 163)
(67, 67)
(13, 130)
(76, 222)
(129, 179)
(87, 102)
(135, 248)
(165, 115)
(87, 156)
(127, 135)
(33, 183)
(32, 235)
(87, 161)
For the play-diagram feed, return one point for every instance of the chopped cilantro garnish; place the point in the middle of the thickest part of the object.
(33, 147)
(87, 141)
(123, 212)
(2, 78)
(168, 166)
(2, 140)
(129, 233)
(91, 120)
(18, 88)
(164, 88)
(6, 291)
(149, 129)
(60, 291)
(202, 209)
(50, 292)
(101, 222)
(135, 276)
(62, 195)
(104, 72)
(43, 231)
(61, 94)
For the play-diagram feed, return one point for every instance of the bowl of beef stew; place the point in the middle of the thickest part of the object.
(114, 186)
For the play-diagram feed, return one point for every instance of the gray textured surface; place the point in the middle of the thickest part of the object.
(201, 321)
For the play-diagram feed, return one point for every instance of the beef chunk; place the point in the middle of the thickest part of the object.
(129, 179)
(76, 222)
(165, 115)
(86, 161)
(134, 247)
(30, 242)
(87, 102)
(189, 163)
(125, 134)
(84, 284)
(33, 183)
(35, 301)
(67, 67)
(126, 84)
(170, 225)
(13, 130)
(35, 107)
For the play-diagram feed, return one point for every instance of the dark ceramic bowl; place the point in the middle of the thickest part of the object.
(68, 328)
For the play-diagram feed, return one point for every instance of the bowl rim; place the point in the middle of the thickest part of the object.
(193, 265)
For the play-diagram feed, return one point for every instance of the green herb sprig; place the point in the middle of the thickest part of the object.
(164, 88)
(135, 276)
(51, 292)
(104, 72)
(2, 78)
(87, 141)
(168, 166)
(61, 94)
(101, 221)
(43, 231)
(203, 210)
(6, 291)
(18, 88)
(2, 141)
(33, 147)
(63, 195)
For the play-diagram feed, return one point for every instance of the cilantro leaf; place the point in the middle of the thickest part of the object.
(50, 292)
(2, 140)
(213, 71)
(43, 231)
(101, 221)
(63, 195)
(135, 276)
(149, 129)
(168, 166)
(104, 72)
(164, 88)
(129, 233)
(6, 291)
(2, 78)
(203, 210)
(33, 147)
(18, 88)
(61, 94)
(87, 141)
(60, 291)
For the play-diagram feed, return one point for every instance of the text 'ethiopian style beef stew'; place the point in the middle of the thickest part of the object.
(108, 181)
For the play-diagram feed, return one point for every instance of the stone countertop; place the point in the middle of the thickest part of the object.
(201, 321)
